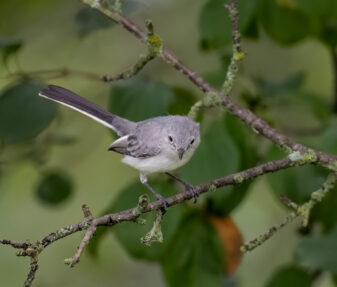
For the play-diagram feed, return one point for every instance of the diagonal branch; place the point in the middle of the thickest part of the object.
(298, 211)
(298, 154)
(88, 234)
(256, 123)
(133, 213)
(90, 224)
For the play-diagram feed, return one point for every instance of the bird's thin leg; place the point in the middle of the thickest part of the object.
(188, 186)
(143, 180)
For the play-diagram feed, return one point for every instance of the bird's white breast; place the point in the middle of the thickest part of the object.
(160, 163)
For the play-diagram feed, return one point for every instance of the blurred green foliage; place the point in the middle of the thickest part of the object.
(54, 188)
(290, 276)
(127, 98)
(318, 252)
(192, 254)
(23, 115)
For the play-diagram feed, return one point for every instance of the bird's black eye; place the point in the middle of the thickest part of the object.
(192, 141)
(170, 139)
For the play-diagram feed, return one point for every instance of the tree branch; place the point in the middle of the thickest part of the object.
(237, 56)
(90, 224)
(65, 72)
(298, 154)
(258, 125)
(298, 211)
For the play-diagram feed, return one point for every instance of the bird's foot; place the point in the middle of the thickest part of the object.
(188, 187)
(164, 202)
(192, 190)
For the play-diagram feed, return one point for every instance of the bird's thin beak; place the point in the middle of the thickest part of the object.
(181, 153)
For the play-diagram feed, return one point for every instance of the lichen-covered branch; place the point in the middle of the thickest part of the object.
(33, 267)
(298, 154)
(298, 211)
(88, 234)
(155, 234)
(212, 99)
(132, 71)
(89, 224)
(237, 55)
(257, 124)
(66, 72)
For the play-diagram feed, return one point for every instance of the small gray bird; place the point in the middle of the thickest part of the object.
(159, 144)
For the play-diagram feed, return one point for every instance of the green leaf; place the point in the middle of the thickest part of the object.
(321, 7)
(286, 101)
(89, 20)
(283, 22)
(129, 233)
(317, 109)
(251, 31)
(194, 256)
(247, 14)
(223, 203)
(328, 33)
(328, 140)
(318, 252)
(139, 99)
(215, 78)
(54, 188)
(215, 25)
(290, 276)
(323, 14)
(296, 183)
(23, 114)
(9, 47)
(95, 241)
(183, 100)
(290, 84)
(210, 162)
(326, 212)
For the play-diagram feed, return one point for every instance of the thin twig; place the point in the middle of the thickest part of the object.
(54, 73)
(88, 234)
(14, 244)
(65, 72)
(299, 211)
(237, 55)
(32, 272)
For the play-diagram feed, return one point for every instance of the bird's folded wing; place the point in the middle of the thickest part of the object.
(131, 146)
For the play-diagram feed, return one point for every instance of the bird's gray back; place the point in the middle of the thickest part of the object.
(155, 128)
(149, 137)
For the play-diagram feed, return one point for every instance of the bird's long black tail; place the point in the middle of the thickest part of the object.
(68, 98)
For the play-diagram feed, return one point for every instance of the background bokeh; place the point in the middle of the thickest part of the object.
(287, 77)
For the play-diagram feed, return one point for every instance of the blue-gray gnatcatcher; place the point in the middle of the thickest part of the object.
(159, 144)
